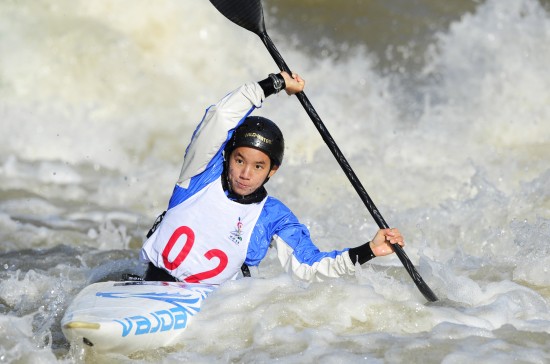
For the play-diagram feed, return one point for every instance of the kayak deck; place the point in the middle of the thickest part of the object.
(125, 317)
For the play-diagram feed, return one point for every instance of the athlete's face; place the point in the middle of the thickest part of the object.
(248, 169)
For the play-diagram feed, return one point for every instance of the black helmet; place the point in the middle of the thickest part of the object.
(259, 133)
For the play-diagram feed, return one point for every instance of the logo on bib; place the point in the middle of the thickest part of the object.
(236, 235)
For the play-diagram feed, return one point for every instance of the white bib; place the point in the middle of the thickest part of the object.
(205, 238)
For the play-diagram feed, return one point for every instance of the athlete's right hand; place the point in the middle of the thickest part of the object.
(293, 84)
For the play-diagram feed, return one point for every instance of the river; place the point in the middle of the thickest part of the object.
(442, 109)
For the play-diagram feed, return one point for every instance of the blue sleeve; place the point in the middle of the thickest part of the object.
(213, 170)
(277, 220)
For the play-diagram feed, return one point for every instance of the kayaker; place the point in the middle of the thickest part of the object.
(220, 219)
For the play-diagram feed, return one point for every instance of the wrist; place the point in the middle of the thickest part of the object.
(273, 84)
(278, 82)
(361, 254)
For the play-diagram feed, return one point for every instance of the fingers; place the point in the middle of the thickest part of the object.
(294, 83)
(393, 236)
(383, 241)
(297, 77)
(294, 75)
(287, 77)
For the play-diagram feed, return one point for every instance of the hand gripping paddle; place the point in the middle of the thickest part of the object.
(249, 15)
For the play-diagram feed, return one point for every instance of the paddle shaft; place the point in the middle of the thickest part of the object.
(340, 158)
(342, 161)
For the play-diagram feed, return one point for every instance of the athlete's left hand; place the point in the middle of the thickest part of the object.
(382, 242)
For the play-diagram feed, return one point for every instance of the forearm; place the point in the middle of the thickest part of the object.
(212, 132)
(222, 117)
(322, 267)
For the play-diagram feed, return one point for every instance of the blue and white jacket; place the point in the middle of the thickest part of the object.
(277, 225)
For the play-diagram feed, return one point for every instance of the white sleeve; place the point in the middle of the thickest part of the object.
(329, 266)
(213, 130)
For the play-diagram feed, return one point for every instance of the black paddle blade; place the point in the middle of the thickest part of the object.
(245, 13)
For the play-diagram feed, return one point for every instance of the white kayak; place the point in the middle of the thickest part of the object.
(125, 317)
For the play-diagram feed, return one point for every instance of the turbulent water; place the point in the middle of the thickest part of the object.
(442, 108)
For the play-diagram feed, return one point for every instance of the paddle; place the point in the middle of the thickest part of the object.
(249, 15)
